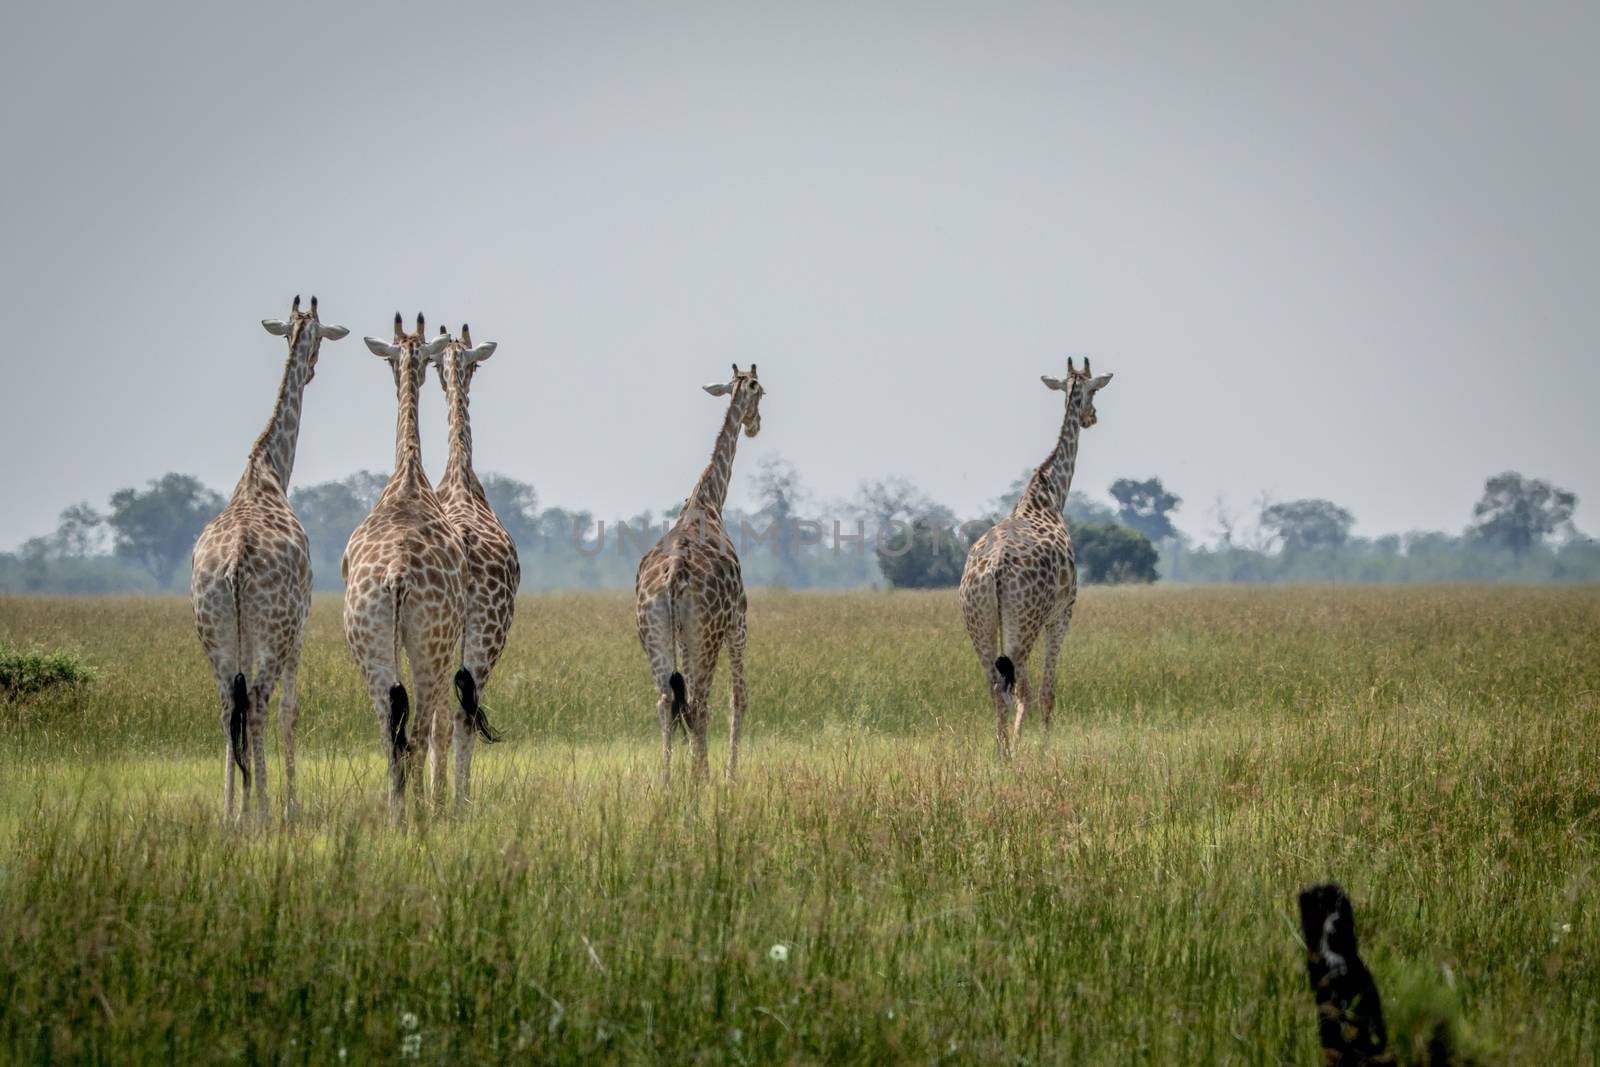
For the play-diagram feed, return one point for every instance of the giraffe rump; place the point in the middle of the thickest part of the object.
(467, 694)
(238, 736)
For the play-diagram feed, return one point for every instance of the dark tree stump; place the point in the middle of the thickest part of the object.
(1349, 1014)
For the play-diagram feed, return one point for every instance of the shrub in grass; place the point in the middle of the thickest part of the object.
(25, 673)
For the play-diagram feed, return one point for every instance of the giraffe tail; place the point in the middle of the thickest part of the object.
(1008, 672)
(680, 702)
(1003, 664)
(399, 712)
(467, 694)
(238, 736)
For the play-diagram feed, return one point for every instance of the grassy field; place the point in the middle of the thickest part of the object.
(874, 887)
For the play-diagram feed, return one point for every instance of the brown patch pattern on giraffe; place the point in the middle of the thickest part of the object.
(405, 595)
(251, 581)
(1021, 576)
(689, 594)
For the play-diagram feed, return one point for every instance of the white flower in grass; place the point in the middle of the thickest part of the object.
(408, 1020)
(778, 953)
(411, 1046)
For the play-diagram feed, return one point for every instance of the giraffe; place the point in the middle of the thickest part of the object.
(689, 595)
(1021, 576)
(404, 592)
(251, 580)
(491, 570)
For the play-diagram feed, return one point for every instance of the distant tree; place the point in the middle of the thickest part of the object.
(1112, 554)
(80, 533)
(1081, 507)
(921, 551)
(517, 505)
(879, 503)
(1146, 506)
(1516, 512)
(917, 543)
(564, 528)
(330, 512)
(779, 491)
(1302, 525)
(158, 526)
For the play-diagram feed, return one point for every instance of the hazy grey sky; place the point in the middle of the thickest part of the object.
(1350, 252)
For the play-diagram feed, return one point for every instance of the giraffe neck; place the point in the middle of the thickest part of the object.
(712, 488)
(275, 447)
(458, 469)
(1047, 489)
(407, 438)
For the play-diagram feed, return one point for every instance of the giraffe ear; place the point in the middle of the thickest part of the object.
(276, 327)
(481, 353)
(1052, 383)
(717, 388)
(1096, 384)
(332, 332)
(382, 349)
(434, 347)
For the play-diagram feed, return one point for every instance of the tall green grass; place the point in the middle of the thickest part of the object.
(1122, 893)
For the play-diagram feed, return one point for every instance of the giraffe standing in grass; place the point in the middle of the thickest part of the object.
(492, 572)
(251, 582)
(1021, 577)
(689, 594)
(404, 593)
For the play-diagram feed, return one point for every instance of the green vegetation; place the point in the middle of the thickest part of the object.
(890, 534)
(875, 887)
(25, 673)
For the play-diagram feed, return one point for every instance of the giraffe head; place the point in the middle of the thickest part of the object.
(305, 333)
(410, 351)
(458, 360)
(1080, 387)
(746, 391)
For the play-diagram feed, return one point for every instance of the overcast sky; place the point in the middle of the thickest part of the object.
(1347, 252)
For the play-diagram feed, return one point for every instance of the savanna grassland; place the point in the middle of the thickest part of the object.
(875, 887)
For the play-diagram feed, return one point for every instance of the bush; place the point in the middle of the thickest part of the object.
(925, 555)
(25, 674)
(1112, 554)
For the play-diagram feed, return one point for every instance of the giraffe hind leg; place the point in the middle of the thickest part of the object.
(260, 701)
(980, 610)
(737, 696)
(464, 735)
(288, 716)
(701, 669)
(655, 634)
(1054, 635)
(1017, 642)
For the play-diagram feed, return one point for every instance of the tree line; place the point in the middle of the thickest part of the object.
(891, 534)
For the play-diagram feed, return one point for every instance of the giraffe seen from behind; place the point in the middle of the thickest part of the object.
(404, 593)
(251, 580)
(1021, 576)
(689, 594)
(491, 570)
